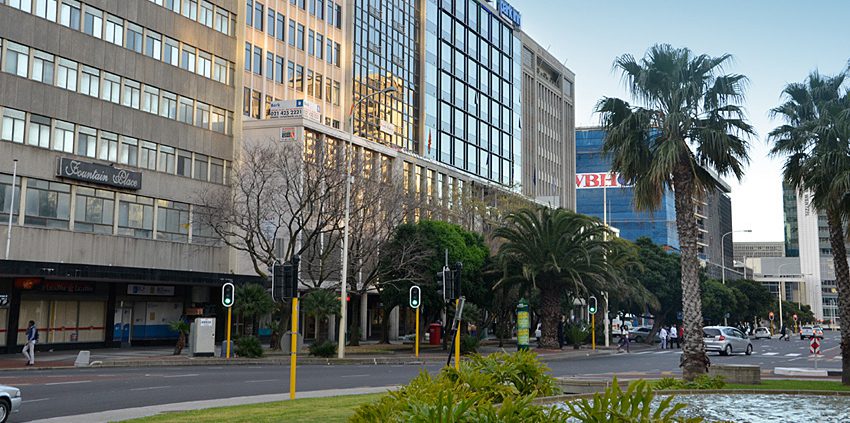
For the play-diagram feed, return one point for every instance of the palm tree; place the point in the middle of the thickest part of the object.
(252, 302)
(816, 142)
(687, 120)
(320, 304)
(182, 328)
(560, 252)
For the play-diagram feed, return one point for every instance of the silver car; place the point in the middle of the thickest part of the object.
(10, 402)
(726, 340)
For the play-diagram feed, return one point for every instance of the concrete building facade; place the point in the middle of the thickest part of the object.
(118, 114)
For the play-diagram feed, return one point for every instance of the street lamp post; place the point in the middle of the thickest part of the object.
(723, 262)
(11, 207)
(781, 284)
(344, 277)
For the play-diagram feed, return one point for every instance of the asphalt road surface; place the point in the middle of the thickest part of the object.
(56, 393)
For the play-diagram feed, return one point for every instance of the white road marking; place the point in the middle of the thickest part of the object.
(68, 383)
(643, 352)
(149, 388)
(771, 353)
(36, 400)
(792, 355)
(261, 380)
(186, 375)
(355, 376)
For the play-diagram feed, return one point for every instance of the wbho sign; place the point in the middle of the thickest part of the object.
(600, 180)
(508, 11)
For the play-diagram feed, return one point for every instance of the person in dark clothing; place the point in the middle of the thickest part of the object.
(561, 333)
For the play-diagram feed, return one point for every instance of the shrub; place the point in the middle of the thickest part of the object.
(325, 349)
(249, 346)
(632, 406)
(469, 344)
(701, 382)
(576, 334)
(469, 394)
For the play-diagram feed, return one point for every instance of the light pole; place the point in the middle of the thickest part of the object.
(723, 262)
(781, 283)
(11, 207)
(344, 276)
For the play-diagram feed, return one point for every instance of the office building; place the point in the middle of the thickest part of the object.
(744, 251)
(119, 114)
(602, 194)
(548, 146)
(792, 279)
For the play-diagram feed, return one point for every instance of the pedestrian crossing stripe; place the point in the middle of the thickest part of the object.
(792, 355)
(771, 353)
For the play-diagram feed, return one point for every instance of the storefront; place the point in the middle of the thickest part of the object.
(84, 306)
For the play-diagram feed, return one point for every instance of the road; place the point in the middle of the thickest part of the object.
(55, 393)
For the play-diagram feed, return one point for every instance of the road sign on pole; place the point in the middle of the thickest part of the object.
(770, 315)
(814, 346)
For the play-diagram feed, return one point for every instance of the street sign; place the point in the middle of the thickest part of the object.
(679, 315)
(814, 346)
(770, 315)
(795, 317)
(4, 300)
(415, 297)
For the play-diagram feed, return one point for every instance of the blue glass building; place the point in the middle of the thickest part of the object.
(659, 225)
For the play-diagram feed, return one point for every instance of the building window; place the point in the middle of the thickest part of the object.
(150, 100)
(320, 9)
(299, 78)
(206, 16)
(173, 5)
(184, 163)
(94, 210)
(255, 104)
(153, 45)
(42, 67)
(13, 125)
(268, 105)
(93, 22)
(270, 23)
(190, 9)
(135, 216)
(202, 115)
(39, 131)
(280, 27)
(172, 221)
(90, 82)
(258, 15)
(131, 94)
(172, 52)
(220, 70)
(87, 142)
(134, 37)
(67, 75)
(248, 57)
(246, 101)
(204, 64)
(320, 46)
(299, 40)
(258, 60)
(108, 147)
(70, 14)
(6, 196)
(269, 65)
(48, 204)
(17, 59)
(46, 9)
(312, 7)
(319, 86)
(185, 110)
(291, 32)
(129, 151)
(111, 89)
(201, 233)
(336, 93)
(330, 45)
(63, 137)
(147, 155)
(278, 69)
(187, 59)
(290, 74)
(336, 54)
(114, 30)
(168, 105)
(249, 16)
(311, 42)
(217, 120)
(217, 171)
(201, 171)
(166, 159)
(222, 21)
(310, 82)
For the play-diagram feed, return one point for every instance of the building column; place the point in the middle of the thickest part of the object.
(394, 314)
(364, 316)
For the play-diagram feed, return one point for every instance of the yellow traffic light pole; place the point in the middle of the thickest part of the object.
(417, 332)
(293, 349)
(593, 331)
(457, 337)
(229, 313)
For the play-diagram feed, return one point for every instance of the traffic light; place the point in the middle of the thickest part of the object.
(444, 277)
(277, 282)
(290, 278)
(591, 305)
(415, 297)
(456, 280)
(228, 294)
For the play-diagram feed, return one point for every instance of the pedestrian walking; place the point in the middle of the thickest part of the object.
(783, 333)
(674, 336)
(663, 336)
(561, 332)
(624, 339)
(29, 347)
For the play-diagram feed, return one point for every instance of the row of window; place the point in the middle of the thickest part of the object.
(57, 205)
(40, 131)
(203, 12)
(477, 19)
(44, 67)
(311, 83)
(254, 15)
(118, 31)
(252, 104)
(316, 45)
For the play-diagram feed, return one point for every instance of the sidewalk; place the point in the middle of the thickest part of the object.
(366, 354)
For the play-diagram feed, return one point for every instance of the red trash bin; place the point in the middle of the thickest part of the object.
(434, 331)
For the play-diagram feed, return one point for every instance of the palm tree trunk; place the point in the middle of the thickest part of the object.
(550, 314)
(842, 280)
(694, 360)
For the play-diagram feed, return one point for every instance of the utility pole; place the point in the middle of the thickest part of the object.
(11, 207)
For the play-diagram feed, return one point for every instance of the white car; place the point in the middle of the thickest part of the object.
(806, 332)
(726, 340)
(761, 333)
(10, 401)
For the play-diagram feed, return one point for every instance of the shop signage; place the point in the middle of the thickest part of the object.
(295, 108)
(600, 180)
(65, 286)
(387, 127)
(4, 300)
(99, 174)
(288, 134)
(157, 290)
(509, 12)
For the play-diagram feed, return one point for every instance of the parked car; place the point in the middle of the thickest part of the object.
(817, 332)
(761, 332)
(726, 340)
(640, 333)
(806, 331)
(10, 401)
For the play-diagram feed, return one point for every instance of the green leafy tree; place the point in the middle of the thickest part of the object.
(558, 251)
(686, 122)
(814, 141)
(182, 328)
(754, 301)
(252, 302)
(717, 300)
(320, 303)
(660, 274)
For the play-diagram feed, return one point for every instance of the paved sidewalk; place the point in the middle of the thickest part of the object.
(137, 412)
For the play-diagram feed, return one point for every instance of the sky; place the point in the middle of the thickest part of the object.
(773, 43)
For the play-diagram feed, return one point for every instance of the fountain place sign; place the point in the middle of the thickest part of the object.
(99, 174)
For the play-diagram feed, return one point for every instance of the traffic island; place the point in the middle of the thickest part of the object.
(744, 374)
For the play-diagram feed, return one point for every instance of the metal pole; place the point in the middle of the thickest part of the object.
(457, 336)
(229, 313)
(293, 357)
(607, 322)
(11, 207)
(344, 278)
(417, 332)
(781, 285)
(593, 331)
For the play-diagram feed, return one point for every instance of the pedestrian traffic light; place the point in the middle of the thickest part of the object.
(277, 282)
(456, 280)
(444, 277)
(591, 305)
(415, 297)
(290, 278)
(228, 294)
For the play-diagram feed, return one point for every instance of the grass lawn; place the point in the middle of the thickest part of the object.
(794, 385)
(325, 410)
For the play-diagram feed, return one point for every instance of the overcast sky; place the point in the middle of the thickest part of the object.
(773, 43)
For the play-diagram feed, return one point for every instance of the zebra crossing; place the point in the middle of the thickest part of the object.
(766, 354)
